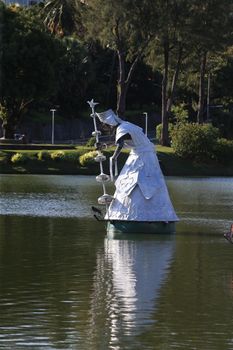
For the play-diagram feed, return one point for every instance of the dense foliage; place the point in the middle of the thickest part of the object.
(87, 159)
(223, 151)
(30, 63)
(194, 141)
(149, 55)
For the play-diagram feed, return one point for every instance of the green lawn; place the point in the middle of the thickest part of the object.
(68, 163)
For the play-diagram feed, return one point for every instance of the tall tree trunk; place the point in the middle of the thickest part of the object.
(124, 79)
(121, 86)
(201, 95)
(8, 130)
(108, 95)
(13, 117)
(174, 81)
(121, 99)
(124, 82)
(164, 136)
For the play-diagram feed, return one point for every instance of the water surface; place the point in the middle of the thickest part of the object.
(64, 284)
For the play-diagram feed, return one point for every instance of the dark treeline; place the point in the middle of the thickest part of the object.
(159, 56)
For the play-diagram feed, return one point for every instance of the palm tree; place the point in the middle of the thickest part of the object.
(63, 17)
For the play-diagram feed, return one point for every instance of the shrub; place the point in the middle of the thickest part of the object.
(224, 151)
(224, 121)
(19, 158)
(42, 155)
(194, 141)
(71, 156)
(4, 157)
(88, 158)
(57, 155)
(159, 131)
(181, 113)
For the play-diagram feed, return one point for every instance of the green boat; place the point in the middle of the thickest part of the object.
(154, 227)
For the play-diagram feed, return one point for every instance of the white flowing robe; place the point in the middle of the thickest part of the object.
(141, 192)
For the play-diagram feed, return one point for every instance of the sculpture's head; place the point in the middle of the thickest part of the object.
(109, 117)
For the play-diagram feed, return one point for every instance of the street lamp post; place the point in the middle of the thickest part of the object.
(53, 112)
(208, 99)
(146, 122)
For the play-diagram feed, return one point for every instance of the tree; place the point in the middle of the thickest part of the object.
(167, 50)
(63, 17)
(185, 30)
(209, 27)
(30, 63)
(122, 26)
(122, 29)
(76, 75)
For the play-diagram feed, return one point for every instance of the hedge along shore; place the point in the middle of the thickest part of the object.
(63, 161)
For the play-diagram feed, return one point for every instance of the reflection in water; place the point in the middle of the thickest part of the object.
(46, 268)
(127, 284)
(65, 285)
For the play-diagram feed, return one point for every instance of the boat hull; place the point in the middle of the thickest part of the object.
(155, 227)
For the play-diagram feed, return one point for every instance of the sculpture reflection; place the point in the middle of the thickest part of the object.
(127, 286)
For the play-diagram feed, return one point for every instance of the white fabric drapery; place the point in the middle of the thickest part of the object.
(141, 192)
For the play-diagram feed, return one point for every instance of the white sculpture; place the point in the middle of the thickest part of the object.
(141, 192)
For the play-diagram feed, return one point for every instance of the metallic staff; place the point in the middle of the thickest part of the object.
(105, 199)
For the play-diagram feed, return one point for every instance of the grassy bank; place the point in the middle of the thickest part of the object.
(63, 161)
(172, 165)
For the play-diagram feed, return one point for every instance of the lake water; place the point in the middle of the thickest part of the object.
(64, 284)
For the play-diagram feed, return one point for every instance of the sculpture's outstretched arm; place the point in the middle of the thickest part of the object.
(118, 150)
(120, 144)
(113, 159)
